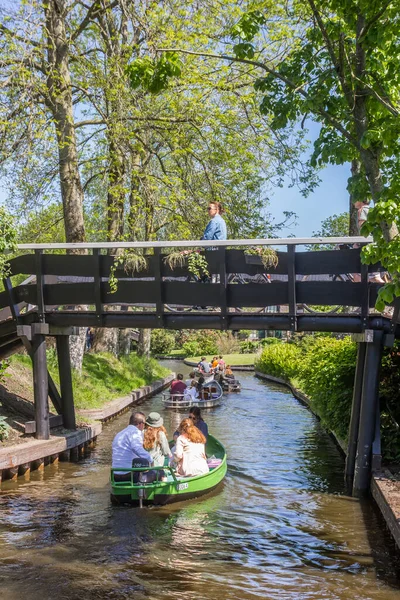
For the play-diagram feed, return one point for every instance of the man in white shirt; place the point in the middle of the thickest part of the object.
(128, 445)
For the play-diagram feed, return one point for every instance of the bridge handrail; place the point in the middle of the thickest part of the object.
(200, 243)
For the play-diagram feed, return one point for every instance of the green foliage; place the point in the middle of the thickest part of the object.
(269, 340)
(204, 341)
(342, 71)
(227, 343)
(279, 360)
(104, 377)
(162, 341)
(268, 256)
(4, 429)
(249, 347)
(198, 265)
(334, 226)
(154, 76)
(323, 368)
(8, 240)
(131, 261)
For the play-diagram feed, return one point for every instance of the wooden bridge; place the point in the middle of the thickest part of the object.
(324, 290)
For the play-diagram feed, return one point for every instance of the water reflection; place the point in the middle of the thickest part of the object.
(279, 527)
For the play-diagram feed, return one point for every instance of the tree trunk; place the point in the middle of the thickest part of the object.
(59, 101)
(76, 349)
(124, 341)
(144, 343)
(106, 340)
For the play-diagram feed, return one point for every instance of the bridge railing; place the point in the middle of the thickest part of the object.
(73, 289)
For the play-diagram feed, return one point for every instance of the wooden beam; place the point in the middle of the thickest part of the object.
(292, 287)
(64, 368)
(54, 421)
(40, 387)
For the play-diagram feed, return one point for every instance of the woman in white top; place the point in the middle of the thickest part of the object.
(190, 453)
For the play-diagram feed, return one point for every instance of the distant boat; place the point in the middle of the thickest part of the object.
(211, 395)
(174, 489)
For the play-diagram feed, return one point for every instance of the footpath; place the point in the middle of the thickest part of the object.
(22, 458)
(385, 485)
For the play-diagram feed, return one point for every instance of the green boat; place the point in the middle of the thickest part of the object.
(174, 489)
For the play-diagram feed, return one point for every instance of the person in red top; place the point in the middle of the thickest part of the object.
(178, 386)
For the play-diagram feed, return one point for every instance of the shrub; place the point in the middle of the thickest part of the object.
(227, 343)
(324, 370)
(162, 341)
(279, 360)
(249, 347)
(268, 341)
(204, 341)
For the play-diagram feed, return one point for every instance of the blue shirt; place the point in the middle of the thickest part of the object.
(216, 229)
(128, 445)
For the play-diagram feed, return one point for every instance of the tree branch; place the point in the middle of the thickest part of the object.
(319, 110)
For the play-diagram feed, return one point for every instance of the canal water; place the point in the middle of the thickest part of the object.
(280, 526)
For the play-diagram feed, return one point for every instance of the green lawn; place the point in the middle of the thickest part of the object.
(230, 359)
(104, 377)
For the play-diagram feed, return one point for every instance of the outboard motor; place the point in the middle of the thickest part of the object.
(139, 476)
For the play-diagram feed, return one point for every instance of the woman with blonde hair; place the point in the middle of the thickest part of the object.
(190, 453)
(155, 439)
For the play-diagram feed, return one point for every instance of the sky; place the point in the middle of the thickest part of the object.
(329, 198)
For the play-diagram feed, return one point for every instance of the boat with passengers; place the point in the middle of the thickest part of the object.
(210, 396)
(173, 488)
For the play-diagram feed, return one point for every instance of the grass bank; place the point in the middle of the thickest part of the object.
(103, 378)
(243, 360)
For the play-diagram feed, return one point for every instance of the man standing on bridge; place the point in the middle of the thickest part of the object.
(128, 445)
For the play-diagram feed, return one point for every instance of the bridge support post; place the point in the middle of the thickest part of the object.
(355, 414)
(64, 369)
(367, 422)
(40, 385)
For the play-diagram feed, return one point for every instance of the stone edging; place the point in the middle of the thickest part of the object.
(380, 487)
(20, 459)
(233, 367)
(115, 407)
(305, 400)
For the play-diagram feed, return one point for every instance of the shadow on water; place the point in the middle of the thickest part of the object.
(280, 526)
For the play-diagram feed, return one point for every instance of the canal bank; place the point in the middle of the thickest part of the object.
(31, 455)
(280, 527)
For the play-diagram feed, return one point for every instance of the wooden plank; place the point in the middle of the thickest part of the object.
(329, 293)
(257, 295)
(191, 293)
(20, 454)
(329, 262)
(54, 421)
(24, 264)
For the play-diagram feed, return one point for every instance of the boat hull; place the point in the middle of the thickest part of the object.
(178, 490)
